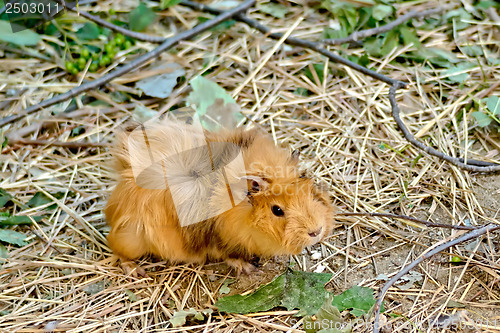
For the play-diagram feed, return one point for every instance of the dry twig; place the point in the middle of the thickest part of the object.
(297, 42)
(413, 219)
(167, 44)
(356, 36)
(470, 165)
(114, 27)
(468, 236)
(57, 143)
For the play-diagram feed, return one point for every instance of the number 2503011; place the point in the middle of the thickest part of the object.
(31, 8)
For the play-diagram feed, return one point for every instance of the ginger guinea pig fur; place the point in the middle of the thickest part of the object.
(193, 196)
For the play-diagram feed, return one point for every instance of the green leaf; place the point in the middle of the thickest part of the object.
(141, 17)
(215, 107)
(319, 69)
(179, 318)
(373, 46)
(409, 280)
(96, 287)
(12, 237)
(458, 17)
(292, 289)
(486, 4)
(39, 199)
(458, 73)
(493, 104)
(20, 219)
(301, 91)
(380, 12)
(224, 289)
(409, 37)
(168, 3)
(219, 27)
(472, 50)
(22, 38)
(345, 13)
(4, 253)
(329, 33)
(328, 319)
(131, 296)
(142, 113)
(89, 31)
(359, 299)
(391, 41)
(274, 9)
(483, 119)
(305, 291)
(436, 56)
(264, 298)
(161, 85)
(4, 197)
(453, 304)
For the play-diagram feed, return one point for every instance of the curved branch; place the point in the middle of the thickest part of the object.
(114, 27)
(413, 219)
(470, 165)
(297, 42)
(167, 44)
(471, 235)
(356, 36)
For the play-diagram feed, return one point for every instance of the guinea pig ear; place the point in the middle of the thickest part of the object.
(256, 184)
(321, 195)
(130, 126)
(295, 155)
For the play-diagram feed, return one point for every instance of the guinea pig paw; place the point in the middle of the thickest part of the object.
(242, 266)
(132, 269)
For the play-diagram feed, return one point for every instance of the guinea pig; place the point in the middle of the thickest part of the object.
(189, 195)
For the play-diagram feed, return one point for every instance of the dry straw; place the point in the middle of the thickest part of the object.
(67, 279)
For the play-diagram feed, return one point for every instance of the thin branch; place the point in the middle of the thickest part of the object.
(297, 42)
(123, 31)
(413, 219)
(468, 236)
(167, 44)
(57, 143)
(471, 165)
(356, 36)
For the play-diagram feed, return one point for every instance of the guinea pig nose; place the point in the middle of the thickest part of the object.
(316, 232)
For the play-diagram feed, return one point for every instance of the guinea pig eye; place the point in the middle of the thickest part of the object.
(277, 210)
(255, 186)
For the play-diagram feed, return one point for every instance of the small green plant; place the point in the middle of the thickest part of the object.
(99, 57)
(490, 111)
(9, 217)
(304, 291)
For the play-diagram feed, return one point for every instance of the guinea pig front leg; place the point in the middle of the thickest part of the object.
(128, 245)
(242, 266)
(133, 269)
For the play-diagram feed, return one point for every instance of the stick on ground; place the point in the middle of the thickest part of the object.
(167, 44)
(413, 219)
(358, 35)
(468, 236)
(470, 165)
